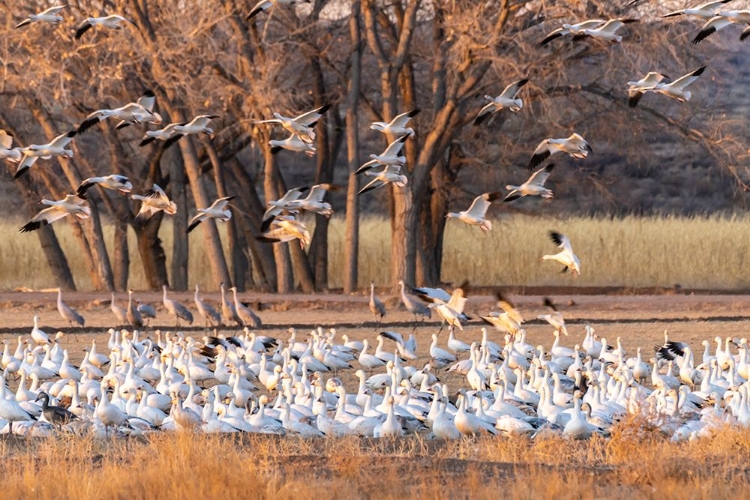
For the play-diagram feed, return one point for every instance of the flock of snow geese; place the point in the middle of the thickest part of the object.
(261, 384)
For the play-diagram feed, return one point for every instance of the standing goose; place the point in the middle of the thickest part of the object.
(397, 126)
(571, 29)
(112, 21)
(722, 20)
(575, 145)
(209, 314)
(47, 16)
(10, 410)
(141, 111)
(302, 125)
(637, 88)
(37, 334)
(474, 216)
(176, 309)
(68, 313)
(121, 314)
(246, 316)
(152, 202)
(227, 309)
(114, 181)
(534, 186)
(391, 156)
(55, 415)
(507, 99)
(217, 210)
(566, 255)
(56, 147)
(377, 308)
(132, 313)
(391, 174)
(71, 204)
(605, 32)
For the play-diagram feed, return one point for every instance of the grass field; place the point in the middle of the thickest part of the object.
(699, 252)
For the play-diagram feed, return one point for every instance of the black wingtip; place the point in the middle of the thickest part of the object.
(537, 160)
(149, 93)
(699, 71)
(193, 226)
(324, 108)
(702, 35)
(81, 191)
(31, 226)
(555, 237)
(146, 141)
(276, 149)
(20, 172)
(548, 303)
(253, 13)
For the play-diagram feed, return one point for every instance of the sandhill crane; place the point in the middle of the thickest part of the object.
(534, 186)
(302, 125)
(507, 99)
(132, 314)
(246, 316)
(114, 181)
(176, 309)
(209, 314)
(566, 255)
(141, 111)
(377, 308)
(120, 313)
(68, 313)
(575, 145)
(413, 305)
(227, 309)
(146, 310)
(474, 215)
(397, 126)
(47, 16)
(113, 21)
(56, 147)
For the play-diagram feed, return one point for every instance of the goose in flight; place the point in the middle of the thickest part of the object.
(676, 89)
(114, 181)
(636, 89)
(510, 320)
(153, 201)
(47, 16)
(554, 318)
(397, 126)
(566, 255)
(608, 31)
(575, 145)
(302, 125)
(571, 29)
(57, 147)
(314, 201)
(705, 10)
(452, 312)
(474, 216)
(390, 174)
(534, 186)
(292, 143)
(391, 156)
(722, 20)
(276, 207)
(168, 135)
(71, 204)
(286, 228)
(113, 21)
(264, 5)
(198, 125)
(7, 151)
(141, 111)
(217, 210)
(507, 99)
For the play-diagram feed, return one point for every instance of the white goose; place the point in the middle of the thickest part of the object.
(153, 201)
(314, 201)
(475, 215)
(198, 125)
(637, 88)
(292, 143)
(704, 11)
(217, 210)
(397, 126)
(571, 29)
(264, 5)
(722, 20)
(56, 147)
(141, 111)
(507, 99)
(566, 255)
(286, 228)
(7, 151)
(47, 16)
(114, 182)
(391, 156)
(71, 204)
(605, 32)
(112, 21)
(391, 174)
(469, 424)
(575, 145)
(534, 186)
(302, 125)
(676, 89)
(554, 318)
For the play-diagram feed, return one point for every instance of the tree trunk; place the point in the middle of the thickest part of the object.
(150, 249)
(180, 238)
(121, 256)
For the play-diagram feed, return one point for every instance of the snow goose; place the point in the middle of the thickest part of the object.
(37, 335)
(554, 318)
(507, 99)
(412, 305)
(7, 151)
(575, 145)
(369, 361)
(510, 320)
(47, 16)
(534, 186)
(109, 414)
(722, 20)
(391, 174)
(113, 21)
(10, 410)
(377, 308)
(637, 88)
(704, 11)
(568, 29)
(676, 89)
(452, 312)
(68, 313)
(300, 126)
(457, 345)
(406, 348)
(217, 210)
(292, 143)
(285, 228)
(198, 125)
(391, 156)
(314, 201)
(578, 427)
(176, 309)
(276, 207)
(391, 427)
(469, 424)
(397, 126)
(264, 5)
(71, 204)
(210, 315)
(605, 32)
(152, 202)
(114, 182)
(439, 353)
(167, 134)
(566, 255)
(245, 314)
(56, 147)
(475, 214)
(141, 111)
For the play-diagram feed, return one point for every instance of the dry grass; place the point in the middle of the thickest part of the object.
(635, 462)
(701, 252)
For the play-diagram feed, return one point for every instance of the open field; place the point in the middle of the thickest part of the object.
(628, 252)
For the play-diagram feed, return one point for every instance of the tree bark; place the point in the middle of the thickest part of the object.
(180, 238)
